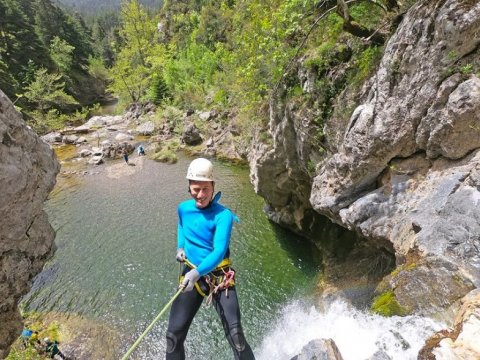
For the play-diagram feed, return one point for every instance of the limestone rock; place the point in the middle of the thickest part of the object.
(120, 137)
(207, 115)
(53, 137)
(191, 135)
(409, 157)
(85, 153)
(81, 140)
(146, 129)
(404, 171)
(82, 129)
(97, 121)
(278, 169)
(460, 342)
(319, 349)
(96, 160)
(28, 168)
(70, 139)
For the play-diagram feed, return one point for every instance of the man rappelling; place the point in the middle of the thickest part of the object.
(203, 239)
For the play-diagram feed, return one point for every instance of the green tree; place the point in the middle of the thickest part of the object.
(48, 91)
(105, 35)
(61, 54)
(158, 89)
(136, 61)
(18, 45)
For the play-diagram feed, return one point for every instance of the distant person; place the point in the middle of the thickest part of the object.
(26, 337)
(203, 241)
(141, 150)
(125, 155)
(51, 348)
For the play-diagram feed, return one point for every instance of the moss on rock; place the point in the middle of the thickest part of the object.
(386, 304)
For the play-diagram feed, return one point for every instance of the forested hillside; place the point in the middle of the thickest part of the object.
(230, 56)
(49, 64)
(91, 7)
(233, 55)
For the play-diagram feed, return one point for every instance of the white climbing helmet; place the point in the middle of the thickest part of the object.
(200, 169)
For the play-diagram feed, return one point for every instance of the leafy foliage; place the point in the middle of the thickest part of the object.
(61, 54)
(47, 91)
(135, 62)
(190, 53)
(41, 42)
(91, 7)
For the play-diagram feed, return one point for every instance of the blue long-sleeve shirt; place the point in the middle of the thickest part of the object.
(205, 233)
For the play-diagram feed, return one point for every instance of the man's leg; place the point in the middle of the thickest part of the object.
(228, 309)
(182, 313)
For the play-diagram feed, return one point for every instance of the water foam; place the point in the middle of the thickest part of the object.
(358, 334)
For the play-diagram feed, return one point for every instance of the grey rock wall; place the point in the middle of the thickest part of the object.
(405, 172)
(28, 168)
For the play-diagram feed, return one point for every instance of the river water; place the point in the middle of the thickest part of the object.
(115, 264)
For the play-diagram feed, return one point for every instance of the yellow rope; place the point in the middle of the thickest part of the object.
(147, 330)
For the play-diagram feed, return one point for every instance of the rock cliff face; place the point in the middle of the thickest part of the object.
(405, 172)
(28, 168)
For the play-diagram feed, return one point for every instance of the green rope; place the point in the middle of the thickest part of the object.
(147, 330)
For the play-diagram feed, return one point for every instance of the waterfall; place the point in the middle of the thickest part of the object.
(358, 334)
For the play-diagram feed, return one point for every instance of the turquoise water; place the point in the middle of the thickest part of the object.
(115, 261)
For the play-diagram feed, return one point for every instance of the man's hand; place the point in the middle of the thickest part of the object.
(190, 279)
(180, 255)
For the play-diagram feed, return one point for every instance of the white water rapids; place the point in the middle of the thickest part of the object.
(358, 334)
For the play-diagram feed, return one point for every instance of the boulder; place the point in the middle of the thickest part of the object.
(53, 137)
(120, 137)
(191, 135)
(70, 139)
(82, 129)
(206, 115)
(85, 153)
(462, 340)
(28, 168)
(96, 160)
(319, 349)
(97, 121)
(146, 129)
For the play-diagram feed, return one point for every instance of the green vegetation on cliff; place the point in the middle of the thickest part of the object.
(194, 54)
(233, 55)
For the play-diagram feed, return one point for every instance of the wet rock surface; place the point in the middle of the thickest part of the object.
(319, 349)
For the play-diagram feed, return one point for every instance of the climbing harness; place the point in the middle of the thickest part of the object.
(147, 330)
(221, 278)
(218, 283)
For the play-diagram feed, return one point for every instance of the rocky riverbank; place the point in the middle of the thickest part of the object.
(105, 138)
